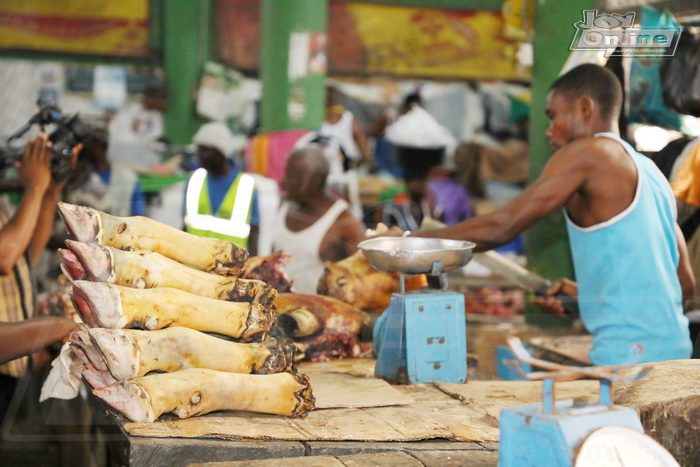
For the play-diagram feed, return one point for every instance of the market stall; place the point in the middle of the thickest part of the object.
(351, 418)
(192, 353)
(171, 381)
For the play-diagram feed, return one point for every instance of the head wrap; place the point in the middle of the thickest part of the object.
(215, 135)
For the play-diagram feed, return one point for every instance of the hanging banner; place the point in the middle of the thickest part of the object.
(427, 42)
(365, 38)
(238, 26)
(96, 27)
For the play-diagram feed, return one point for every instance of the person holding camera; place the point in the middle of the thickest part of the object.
(24, 234)
(98, 183)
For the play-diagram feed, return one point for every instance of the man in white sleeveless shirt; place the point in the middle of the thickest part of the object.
(342, 125)
(312, 226)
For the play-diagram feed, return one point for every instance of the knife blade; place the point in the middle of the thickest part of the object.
(530, 281)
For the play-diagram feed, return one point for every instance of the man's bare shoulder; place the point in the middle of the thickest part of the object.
(342, 238)
(592, 147)
(347, 220)
(608, 182)
(347, 226)
(587, 153)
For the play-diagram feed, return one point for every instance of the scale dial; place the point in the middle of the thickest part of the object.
(617, 446)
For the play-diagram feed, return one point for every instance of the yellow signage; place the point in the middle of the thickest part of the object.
(100, 27)
(435, 43)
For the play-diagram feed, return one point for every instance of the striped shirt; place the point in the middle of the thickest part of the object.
(17, 302)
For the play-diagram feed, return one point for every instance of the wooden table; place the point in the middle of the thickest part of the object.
(434, 423)
(444, 420)
(125, 449)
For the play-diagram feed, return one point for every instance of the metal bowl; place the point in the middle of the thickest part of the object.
(415, 255)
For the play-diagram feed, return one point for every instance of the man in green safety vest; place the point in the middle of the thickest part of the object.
(221, 200)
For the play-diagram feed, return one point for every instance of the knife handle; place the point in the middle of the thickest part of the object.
(569, 303)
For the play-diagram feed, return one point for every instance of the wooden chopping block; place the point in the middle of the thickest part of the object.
(668, 403)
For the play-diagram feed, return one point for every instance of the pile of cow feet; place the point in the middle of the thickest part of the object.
(177, 289)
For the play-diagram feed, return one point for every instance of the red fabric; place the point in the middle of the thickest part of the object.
(267, 153)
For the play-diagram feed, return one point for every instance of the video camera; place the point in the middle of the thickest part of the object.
(68, 133)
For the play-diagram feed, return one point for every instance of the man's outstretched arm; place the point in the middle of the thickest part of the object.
(346, 232)
(565, 173)
(35, 176)
(25, 337)
(685, 272)
(47, 213)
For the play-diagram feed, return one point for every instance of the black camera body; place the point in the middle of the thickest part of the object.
(64, 138)
(69, 133)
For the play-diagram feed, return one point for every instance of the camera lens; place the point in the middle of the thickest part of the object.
(63, 139)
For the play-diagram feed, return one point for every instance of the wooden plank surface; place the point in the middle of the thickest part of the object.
(489, 397)
(412, 459)
(431, 414)
(173, 452)
(350, 366)
(382, 459)
(333, 391)
(457, 458)
(442, 417)
(347, 448)
(460, 412)
(314, 461)
(668, 400)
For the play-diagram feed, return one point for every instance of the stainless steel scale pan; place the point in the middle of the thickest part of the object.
(415, 255)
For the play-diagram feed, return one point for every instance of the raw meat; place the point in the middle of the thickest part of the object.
(354, 281)
(270, 269)
(302, 315)
(328, 346)
(321, 327)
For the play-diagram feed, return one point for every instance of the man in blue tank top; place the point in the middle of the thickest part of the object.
(630, 257)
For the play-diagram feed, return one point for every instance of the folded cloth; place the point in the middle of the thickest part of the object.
(61, 382)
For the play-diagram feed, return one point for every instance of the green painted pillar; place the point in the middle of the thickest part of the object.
(296, 101)
(547, 241)
(186, 47)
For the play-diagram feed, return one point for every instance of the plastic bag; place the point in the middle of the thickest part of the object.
(680, 76)
(419, 129)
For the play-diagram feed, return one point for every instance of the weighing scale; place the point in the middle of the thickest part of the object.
(421, 337)
(567, 432)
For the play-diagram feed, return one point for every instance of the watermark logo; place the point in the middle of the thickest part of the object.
(615, 34)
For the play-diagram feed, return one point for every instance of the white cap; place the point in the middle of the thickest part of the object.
(216, 135)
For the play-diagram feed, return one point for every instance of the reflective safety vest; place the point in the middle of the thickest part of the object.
(231, 221)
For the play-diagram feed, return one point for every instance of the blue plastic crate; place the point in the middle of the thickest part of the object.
(506, 371)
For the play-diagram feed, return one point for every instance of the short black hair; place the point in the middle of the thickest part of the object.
(333, 96)
(97, 135)
(596, 82)
(409, 100)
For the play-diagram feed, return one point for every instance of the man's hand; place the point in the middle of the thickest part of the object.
(35, 169)
(552, 304)
(55, 188)
(383, 231)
